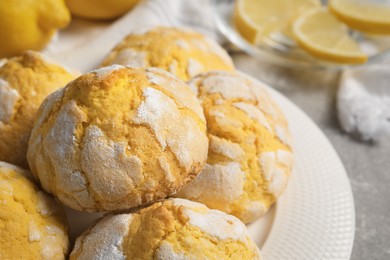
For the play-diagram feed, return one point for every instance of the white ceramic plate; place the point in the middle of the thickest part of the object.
(315, 217)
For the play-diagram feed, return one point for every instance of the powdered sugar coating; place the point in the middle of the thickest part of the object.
(8, 99)
(61, 142)
(283, 135)
(162, 114)
(100, 157)
(182, 44)
(217, 184)
(183, 52)
(275, 173)
(46, 205)
(105, 71)
(229, 86)
(217, 224)
(6, 188)
(243, 122)
(226, 148)
(104, 241)
(166, 168)
(170, 83)
(98, 147)
(165, 251)
(33, 232)
(254, 113)
(173, 67)
(34, 222)
(170, 229)
(254, 210)
(194, 67)
(6, 168)
(2, 62)
(131, 58)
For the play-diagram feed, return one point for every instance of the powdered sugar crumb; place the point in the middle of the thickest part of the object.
(194, 68)
(33, 232)
(46, 205)
(166, 251)
(2, 62)
(254, 210)
(182, 44)
(188, 204)
(283, 135)
(100, 156)
(171, 128)
(177, 88)
(165, 167)
(6, 187)
(275, 175)
(105, 71)
(230, 86)
(173, 67)
(225, 148)
(219, 183)
(8, 99)
(218, 224)
(131, 58)
(105, 239)
(254, 113)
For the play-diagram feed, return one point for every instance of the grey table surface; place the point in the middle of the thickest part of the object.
(367, 164)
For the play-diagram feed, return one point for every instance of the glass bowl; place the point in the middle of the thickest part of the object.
(280, 50)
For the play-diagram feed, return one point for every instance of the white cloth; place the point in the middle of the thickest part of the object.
(363, 102)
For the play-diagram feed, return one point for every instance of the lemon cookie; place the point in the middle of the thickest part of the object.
(118, 137)
(250, 155)
(29, 25)
(32, 225)
(24, 82)
(172, 229)
(183, 53)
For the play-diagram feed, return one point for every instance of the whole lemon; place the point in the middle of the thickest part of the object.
(29, 24)
(100, 9)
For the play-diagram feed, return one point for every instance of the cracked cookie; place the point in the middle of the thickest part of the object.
(171, 229)
(32, 225)
(117, 138)
(250, 156)
(183, 53)
(25, 81)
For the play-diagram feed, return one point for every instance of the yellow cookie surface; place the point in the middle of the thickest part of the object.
(25, 81)
(181, 52)
(172, 229)
(250, 157)
(118, 137)
(32, 225)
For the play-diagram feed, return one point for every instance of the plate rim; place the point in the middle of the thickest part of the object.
(323, 253)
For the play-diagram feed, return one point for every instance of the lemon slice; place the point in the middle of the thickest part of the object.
(257, 19)
(362, 15)
(321, 34)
